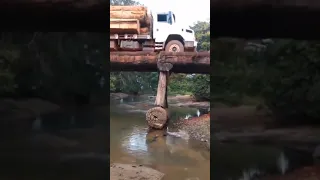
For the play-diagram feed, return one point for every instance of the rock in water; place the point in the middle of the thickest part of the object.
(157, 117)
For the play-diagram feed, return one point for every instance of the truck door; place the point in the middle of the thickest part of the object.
(161, 27)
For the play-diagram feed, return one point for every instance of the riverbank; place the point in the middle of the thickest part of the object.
(247, 124)
(254, 126)
(174, 100)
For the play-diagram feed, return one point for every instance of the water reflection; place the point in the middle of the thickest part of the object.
(198, 112)
(136, 141)
(250, 174)
(283, 163)
(188, 116)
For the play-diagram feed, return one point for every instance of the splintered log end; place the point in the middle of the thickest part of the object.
(157, 117)
(164, 66)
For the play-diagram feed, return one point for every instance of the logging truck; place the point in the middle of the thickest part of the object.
(134, 28)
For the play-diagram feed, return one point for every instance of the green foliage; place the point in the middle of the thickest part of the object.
(284, 73)
(201, 87)
(52, 64)
(202, 31)
(292, 83)
(133, 82)
(7, 78)
(179, 84)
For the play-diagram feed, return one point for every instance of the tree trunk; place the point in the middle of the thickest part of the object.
(161, 99)
(157, 118)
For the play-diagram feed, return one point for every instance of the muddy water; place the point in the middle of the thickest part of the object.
(178, 158)
(181, 159)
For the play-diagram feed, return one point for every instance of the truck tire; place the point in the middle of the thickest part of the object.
(174, 46)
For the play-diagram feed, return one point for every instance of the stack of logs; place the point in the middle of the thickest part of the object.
(133, 12)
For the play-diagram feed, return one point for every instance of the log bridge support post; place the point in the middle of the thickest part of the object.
(157, 117)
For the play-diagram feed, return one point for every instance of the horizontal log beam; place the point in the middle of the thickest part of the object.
(187, 62)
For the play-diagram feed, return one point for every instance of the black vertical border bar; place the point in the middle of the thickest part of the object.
(211, 86)
(108, 82)
(18, 16)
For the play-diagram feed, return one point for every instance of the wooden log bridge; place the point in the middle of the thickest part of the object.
(183, 62)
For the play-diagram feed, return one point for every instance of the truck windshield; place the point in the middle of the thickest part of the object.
(162, 17)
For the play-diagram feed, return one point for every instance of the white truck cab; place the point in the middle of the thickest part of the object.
(170, 36)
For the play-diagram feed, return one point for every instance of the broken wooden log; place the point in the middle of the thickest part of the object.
(157, 118)
(183, 62)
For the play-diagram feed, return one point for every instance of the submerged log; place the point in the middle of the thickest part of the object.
(157, 117)
(186, 62)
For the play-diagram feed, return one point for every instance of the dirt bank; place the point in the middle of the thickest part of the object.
(246, 124)
(134, 172)
(305, 173)
(197, 127)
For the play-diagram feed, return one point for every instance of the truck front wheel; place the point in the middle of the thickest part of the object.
(174, 46)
